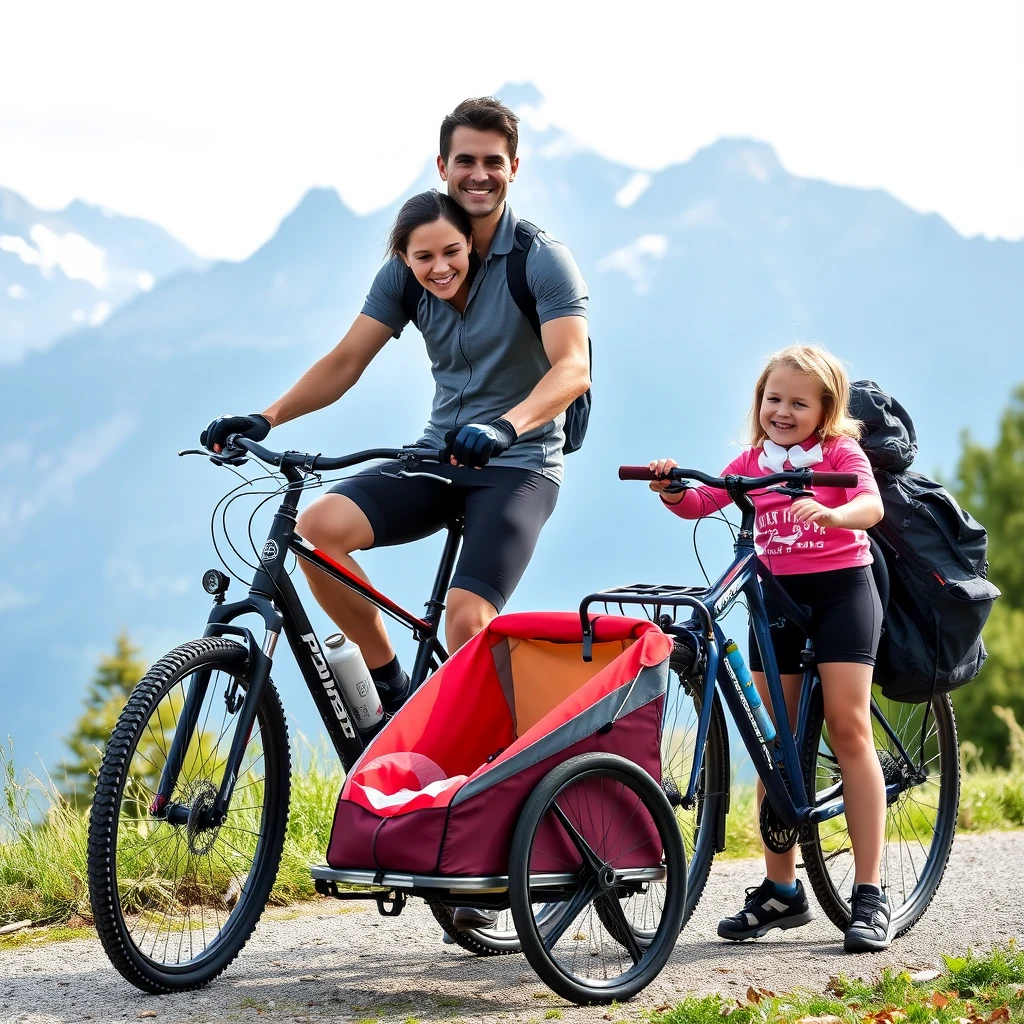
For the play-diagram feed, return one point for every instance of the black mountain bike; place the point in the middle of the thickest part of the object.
(192, 798)
(916, 744)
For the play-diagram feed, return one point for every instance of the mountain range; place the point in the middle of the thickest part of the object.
(75, 266)
(696, 272)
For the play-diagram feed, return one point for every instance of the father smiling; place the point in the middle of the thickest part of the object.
(499, 403)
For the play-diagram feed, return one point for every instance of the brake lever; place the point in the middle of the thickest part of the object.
(791, 492)
(414, 472)
(236, 457)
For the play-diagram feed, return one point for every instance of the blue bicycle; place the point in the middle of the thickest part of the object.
(916, 743)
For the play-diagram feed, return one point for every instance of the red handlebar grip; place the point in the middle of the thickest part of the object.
(834, 480)
(636, 473)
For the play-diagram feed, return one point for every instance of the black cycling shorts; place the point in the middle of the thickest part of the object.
(845, 614)
(504, 509)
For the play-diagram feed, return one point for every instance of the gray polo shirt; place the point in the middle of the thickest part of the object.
(487, 360)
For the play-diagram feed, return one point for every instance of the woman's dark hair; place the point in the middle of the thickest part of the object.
(422, 209)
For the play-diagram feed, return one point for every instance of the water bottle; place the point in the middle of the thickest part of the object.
(742, 676)
(346, 661)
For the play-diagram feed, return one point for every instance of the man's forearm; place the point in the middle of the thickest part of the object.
(554, 393)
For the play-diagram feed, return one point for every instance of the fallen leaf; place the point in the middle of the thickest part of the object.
(938, 1000)
(1002, 1013)
(753, 996)
(921, 976)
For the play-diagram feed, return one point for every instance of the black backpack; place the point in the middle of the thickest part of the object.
(577, 416)
(935, 554)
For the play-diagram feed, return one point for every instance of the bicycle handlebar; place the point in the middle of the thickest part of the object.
(314, 463)
(814, 478)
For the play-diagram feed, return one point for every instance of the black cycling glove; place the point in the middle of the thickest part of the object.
(476, 444)
(255, 427)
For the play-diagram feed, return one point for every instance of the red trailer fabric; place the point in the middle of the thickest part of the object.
(440, 789)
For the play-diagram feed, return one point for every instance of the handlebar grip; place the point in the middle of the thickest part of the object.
(636, 473)
(834, 479)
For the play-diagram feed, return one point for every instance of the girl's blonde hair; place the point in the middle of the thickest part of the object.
(830, 373)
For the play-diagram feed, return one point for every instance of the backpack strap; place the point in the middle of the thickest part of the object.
(515, 272)
(412, 292)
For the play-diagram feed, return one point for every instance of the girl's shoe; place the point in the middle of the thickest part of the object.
(764, 910)
(870, 920)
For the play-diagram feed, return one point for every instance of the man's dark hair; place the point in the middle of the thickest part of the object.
(425, 208)
(484, 114)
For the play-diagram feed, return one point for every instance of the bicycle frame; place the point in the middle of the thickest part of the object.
(273, 598)
(745, 577)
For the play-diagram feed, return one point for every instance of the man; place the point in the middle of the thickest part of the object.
(498, 408)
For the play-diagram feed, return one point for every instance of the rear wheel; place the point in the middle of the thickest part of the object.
(700, 824)
(599, 838)
(175, 894)
(920, 819)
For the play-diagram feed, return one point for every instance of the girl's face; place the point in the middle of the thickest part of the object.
(791, 407)
(438, 254)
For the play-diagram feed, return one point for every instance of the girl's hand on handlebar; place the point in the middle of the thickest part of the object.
(665, 486)
(807, 510)
(659, 467)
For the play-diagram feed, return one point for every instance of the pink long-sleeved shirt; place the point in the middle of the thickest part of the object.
(786, 546)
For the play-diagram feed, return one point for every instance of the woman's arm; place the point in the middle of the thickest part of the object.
(565, 345)
(330, 377)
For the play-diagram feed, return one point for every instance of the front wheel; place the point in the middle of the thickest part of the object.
(920, 818)
(176, 895)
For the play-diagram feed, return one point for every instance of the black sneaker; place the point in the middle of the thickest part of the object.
(764, 910)
(393, 694)
(466, 918)
(870, 920)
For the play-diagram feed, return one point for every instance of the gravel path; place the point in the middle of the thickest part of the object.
(336, 961)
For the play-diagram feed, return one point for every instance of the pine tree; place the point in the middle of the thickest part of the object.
(115, 678)
(990, 484)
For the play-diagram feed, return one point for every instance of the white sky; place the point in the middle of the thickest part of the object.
(212, 119)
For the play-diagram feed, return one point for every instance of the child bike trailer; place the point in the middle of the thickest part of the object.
(521, 776)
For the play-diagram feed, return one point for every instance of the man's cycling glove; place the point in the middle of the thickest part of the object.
(476, 444)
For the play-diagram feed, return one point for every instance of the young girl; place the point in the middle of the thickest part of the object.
(819, 551)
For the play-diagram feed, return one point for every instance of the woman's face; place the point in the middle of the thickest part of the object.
(438, 254)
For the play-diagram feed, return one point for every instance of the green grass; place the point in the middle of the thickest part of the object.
(43, 838)
(991, 799)
(43, 842)
(975, 989)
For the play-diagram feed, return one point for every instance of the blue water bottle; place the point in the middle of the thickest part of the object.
(746, 681)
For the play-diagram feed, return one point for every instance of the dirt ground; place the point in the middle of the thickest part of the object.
(337, 961)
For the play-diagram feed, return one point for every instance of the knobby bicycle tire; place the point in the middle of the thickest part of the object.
(702, 826)
(923, 814)
(127, 899)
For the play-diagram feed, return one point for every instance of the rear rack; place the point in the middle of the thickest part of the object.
(659, 602)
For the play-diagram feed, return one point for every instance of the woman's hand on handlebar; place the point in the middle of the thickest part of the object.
(255, 427)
